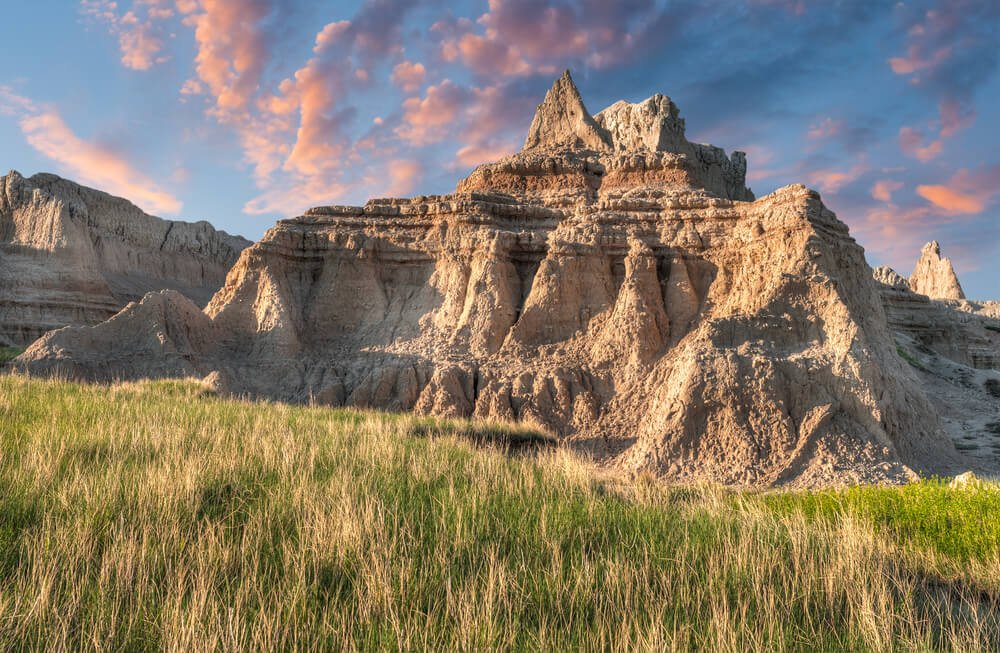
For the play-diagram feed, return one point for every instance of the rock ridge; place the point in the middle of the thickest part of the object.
(71, 255)
(611, 283)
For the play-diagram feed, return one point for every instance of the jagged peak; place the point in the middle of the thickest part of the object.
(562, 121)
(653, 124)
(934, 275)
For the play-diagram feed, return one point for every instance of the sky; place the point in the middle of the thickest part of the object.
(241, 112)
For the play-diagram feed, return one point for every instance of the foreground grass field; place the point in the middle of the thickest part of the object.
(154, 516)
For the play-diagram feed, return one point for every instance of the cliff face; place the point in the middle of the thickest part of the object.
(612, 283)
(70, 255)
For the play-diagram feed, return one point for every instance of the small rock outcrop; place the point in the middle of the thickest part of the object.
(612, 283)
(886, 275)
(934, 276)
(70, 255)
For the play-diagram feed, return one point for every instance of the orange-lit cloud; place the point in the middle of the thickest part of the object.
(966, 192)
(95, 164)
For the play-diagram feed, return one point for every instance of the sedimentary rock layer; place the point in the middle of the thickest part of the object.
(71, 255)
(612, 283)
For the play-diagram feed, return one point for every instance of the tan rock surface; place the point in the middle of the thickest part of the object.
(934, 276)
(615, 284)
(70, 255)
(953, 347)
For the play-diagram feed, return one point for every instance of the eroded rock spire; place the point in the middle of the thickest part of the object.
(562, 121)
(934, 276)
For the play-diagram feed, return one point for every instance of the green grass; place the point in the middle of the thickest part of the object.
(910, 358)
(7, 354)
(155, 516)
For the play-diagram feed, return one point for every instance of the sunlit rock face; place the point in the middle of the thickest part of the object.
(70, 255)
(612, 283)
(934, 276)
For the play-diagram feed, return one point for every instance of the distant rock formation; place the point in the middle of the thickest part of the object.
(612, 282)
(934, 276)
(888, 276)
(70, 255)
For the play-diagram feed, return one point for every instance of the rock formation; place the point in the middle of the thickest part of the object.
(612, 282)
(954, 347)
(934, 276)
(71, 255)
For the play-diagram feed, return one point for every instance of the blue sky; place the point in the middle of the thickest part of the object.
(244, 111)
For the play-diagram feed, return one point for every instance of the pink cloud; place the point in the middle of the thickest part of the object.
(966, 192)
(404, 175)
(954, 117)
(884, 188)
(140, 36)
(409, 76)
(831, 181)
(94, 164)
(915, 60)
(826, 128)
(425, 120)
(475, 154)
(520, 37)
(911, 142)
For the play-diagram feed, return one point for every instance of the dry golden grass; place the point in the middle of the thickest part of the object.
(153, 516)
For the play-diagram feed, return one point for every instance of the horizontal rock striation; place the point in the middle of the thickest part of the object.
(611, 283)
(70, 255)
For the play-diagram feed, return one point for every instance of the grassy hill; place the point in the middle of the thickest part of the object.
(154, 516)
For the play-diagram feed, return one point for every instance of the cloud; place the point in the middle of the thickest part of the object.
(831, 181)
(954, 117)
(140, 37)
(94, 164)
(911, 142)
(915, 61)
(884, 188)
(951, 52)
(404, 175)
(12, 104)
(409, 76)
(825, 128)
(966, 192)
(426, 120)
(524, 37)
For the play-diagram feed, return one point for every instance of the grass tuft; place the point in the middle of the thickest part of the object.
(7, 354)
(910, 358)
(154, 516)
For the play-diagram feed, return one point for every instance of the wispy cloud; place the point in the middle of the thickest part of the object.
(140, 37)
(93, 163)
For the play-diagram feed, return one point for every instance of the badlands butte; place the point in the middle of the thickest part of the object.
(612, 283)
